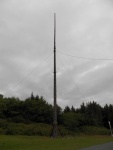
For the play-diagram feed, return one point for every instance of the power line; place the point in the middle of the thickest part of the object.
(79, 57)
(20, 81)
(73, 80)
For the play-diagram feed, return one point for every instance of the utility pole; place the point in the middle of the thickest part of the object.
(55, 128)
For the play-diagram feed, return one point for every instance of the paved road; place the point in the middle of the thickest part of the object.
(107, 146)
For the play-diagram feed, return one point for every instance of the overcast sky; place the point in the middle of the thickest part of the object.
(84, 30)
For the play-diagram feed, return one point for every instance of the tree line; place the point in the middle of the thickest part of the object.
(35, 109)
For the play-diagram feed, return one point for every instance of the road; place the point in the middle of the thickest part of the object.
(107, 146)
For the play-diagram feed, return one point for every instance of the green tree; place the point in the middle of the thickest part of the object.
(67, 109)
(108, 115)
(70, 121)
(94, 114)
(73, 109)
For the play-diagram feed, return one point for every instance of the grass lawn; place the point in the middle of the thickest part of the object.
(46, 143)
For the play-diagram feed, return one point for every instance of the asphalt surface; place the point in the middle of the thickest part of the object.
(107, 146)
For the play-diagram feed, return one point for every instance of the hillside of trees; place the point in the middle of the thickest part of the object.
(35, 110)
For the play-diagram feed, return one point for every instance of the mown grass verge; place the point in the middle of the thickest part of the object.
(8, 142)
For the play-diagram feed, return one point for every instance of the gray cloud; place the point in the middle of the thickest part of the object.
(84, 28)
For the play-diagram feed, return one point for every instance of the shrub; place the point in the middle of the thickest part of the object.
(91, 130)
(1, 131)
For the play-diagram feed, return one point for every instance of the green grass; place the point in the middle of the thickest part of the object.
(46, 143)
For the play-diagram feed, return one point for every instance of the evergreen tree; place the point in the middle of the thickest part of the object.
(67, 109)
